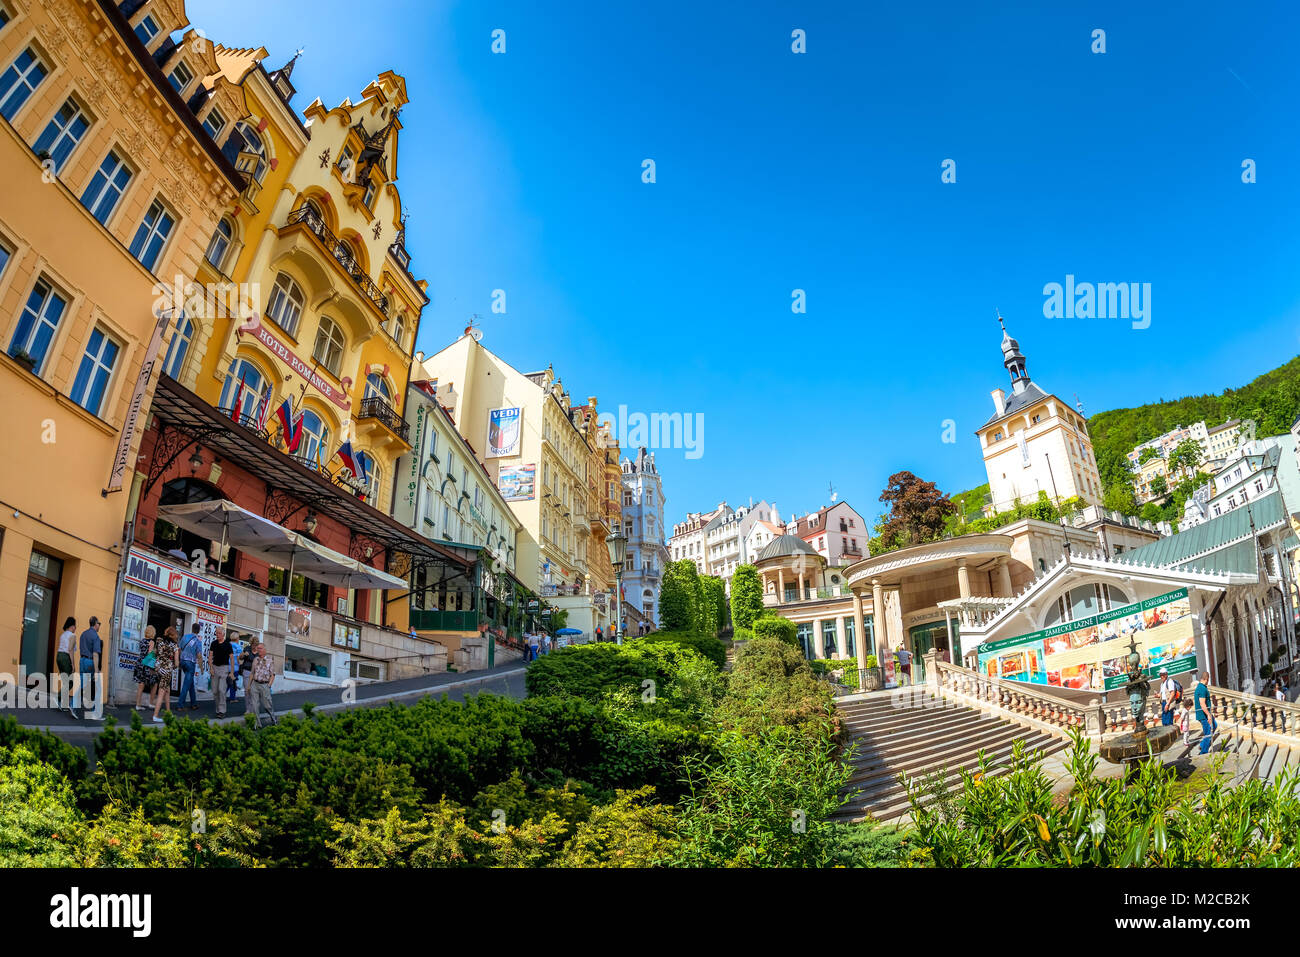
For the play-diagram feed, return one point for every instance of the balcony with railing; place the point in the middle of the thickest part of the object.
(342, 253)
(377, 408)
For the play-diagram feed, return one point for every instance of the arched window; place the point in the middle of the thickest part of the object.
(314, 446)
(219, 244)
(179, 348)
(376, 387)
(1084, 601)
(399, 330)
(241, 370)
(328, 350)
(285, 305)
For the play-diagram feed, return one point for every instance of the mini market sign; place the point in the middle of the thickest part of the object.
(165, 578)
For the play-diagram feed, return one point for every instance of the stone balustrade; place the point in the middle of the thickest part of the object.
(1234, 711)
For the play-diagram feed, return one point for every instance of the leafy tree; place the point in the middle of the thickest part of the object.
(1147, 454)
(776, 628)
(746, 596)
(1120, 498)
(1159, 487)
(711, 605)
(917, 511)
(677, 595)
(1151, 512)
(1186, 457)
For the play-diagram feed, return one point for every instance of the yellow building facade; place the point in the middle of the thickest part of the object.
(114, 183)
(325, 261)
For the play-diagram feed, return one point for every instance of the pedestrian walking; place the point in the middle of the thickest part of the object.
(168, 661)
(219, 655)
(63, 662)
(191, 645)
(1171, 693)
(257, 693)
(145, 672)
(247, 650)
(90, 660)
(1185, 722)
(1204, 711)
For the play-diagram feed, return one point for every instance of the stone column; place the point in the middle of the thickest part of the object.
(1230, 634)
(803, 591)
(819, 645)
(859, 631)
(883, 647)
(780, 585)
(1004, 578)
(963, 579)
(841, 639)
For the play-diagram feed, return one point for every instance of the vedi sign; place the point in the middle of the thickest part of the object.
(168, 579)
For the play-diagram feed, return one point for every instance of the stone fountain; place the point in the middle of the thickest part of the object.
(1141, 742)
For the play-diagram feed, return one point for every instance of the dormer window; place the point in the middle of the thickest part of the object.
(214, 123)
(180, 77)
(147, 29)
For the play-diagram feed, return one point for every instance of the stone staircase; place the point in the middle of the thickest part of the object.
(918, 737)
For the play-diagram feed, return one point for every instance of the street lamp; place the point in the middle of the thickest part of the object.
(617, 546)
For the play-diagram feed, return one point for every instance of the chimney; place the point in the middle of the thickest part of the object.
(999, 401)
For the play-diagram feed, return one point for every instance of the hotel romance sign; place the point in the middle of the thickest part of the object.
(162, 577)
(1089, 653)
(305, 369)
(417, 439)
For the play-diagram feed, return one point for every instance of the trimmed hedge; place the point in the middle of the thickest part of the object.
(776, 628)
(708, 646)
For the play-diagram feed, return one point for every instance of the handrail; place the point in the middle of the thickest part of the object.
(341, 252)
(1244, 711)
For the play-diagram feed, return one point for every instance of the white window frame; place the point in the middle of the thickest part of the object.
(336, 341)
(292, 296)
(97, 365)
(109, 184)
(181, 65)
(63, 133)
(154, 232)
(41, 318)
(24, 77)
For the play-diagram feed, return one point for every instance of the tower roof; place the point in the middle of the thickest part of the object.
(785, 545)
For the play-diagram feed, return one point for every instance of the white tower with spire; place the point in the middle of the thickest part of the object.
(1035, 442)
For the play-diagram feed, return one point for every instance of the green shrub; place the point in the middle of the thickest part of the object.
(764, 800)
(742, 634)
(591, 671)
(40, 825)
(777, 628)
(67, 759)
(708, 646)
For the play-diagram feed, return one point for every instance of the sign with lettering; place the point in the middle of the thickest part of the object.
(176, 581)
(305, 369)
(503, 432)
(127, 436)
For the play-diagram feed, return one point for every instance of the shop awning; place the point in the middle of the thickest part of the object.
(224, 521)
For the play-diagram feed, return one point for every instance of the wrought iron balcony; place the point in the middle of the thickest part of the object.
(342, 252)
(374, 407)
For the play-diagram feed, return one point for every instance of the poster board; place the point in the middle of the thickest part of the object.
(1090, 653)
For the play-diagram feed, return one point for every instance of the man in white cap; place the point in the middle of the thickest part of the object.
(1171, 692)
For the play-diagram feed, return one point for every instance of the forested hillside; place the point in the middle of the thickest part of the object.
(1272, 400)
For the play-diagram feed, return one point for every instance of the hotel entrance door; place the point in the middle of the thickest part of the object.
(40, 608)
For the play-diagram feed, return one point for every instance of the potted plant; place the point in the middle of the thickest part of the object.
(23, 359)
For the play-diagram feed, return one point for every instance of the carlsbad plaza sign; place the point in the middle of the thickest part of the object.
(168, 579)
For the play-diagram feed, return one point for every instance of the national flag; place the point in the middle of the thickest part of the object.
(239, 398)
(349, 459)
(263, 409)
(362, 471)
(290, 425)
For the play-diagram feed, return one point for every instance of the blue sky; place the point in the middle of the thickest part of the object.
(821, 172)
